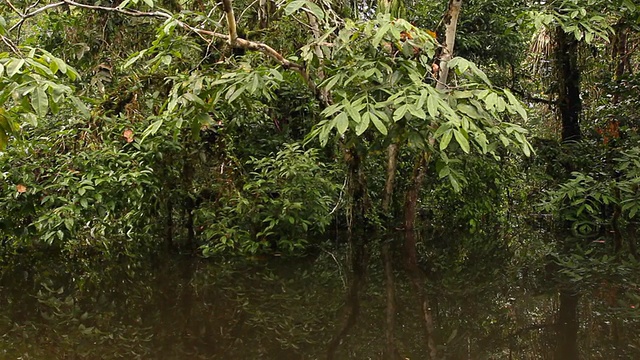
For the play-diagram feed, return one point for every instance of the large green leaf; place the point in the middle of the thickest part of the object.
(462, 140)
(40, 101)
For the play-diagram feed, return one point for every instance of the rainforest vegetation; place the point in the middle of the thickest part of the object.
(467, 144)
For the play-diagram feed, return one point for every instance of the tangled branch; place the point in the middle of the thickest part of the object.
(208, 35)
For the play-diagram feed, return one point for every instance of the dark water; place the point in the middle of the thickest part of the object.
(311, 308)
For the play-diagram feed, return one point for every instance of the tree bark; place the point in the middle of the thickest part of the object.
(411, 198)
(392, 166)
(451, 25)
(569, 101)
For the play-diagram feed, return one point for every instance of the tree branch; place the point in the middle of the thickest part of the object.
(11, 45)
(232, 38)
(34, 13)
(531, 97)
(14, 8)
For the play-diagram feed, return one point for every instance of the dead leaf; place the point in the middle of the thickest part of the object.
(21, 188)
(128, 135)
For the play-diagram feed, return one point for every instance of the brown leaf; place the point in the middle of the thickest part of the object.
(21, 188)
(128, 135)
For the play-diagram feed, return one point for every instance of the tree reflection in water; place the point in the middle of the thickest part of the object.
(274, 308)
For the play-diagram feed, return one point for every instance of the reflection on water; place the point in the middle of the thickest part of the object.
(368, 306)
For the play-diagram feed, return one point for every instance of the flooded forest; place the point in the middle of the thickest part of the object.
(320, 179)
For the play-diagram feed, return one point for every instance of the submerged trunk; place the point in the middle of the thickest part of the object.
(569, 101)
(390, 350)
(417, 276)
(418, 279)
(567, 326)
(352, 305)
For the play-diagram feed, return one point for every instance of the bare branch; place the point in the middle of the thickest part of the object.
(35, 12)
(11, 45)
(14, 8)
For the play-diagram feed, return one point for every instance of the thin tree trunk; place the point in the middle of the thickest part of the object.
(392, 165)
(569, 101)
(451, 25)
(620, 55)
(411, 199)
(356, 188)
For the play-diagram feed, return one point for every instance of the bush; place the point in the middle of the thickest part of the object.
(284, 202)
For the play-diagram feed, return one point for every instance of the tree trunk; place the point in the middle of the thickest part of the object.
(356, 189)
(567, 326)
(411, 198)
(451, 25)
(569, 101)
(392, 166)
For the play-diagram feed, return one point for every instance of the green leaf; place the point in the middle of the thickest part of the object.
(166, 59)
(84, 111)
(152, 129)
(378, 124)
(125, 3)
(462, 140)
(342, 122)
(323, 136)
(134, 59)
(353, 113)
(517, 105)
(526, 149)
(315, 10)
(62, 66)
(294, 6)
(417, 112)
(400, 112)
(40, 101)
(380, 34)
(332, 81)
(432, 105)
(14, 66)
(491, 100)
(363, 125)
(4, 139)
(446, 139)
